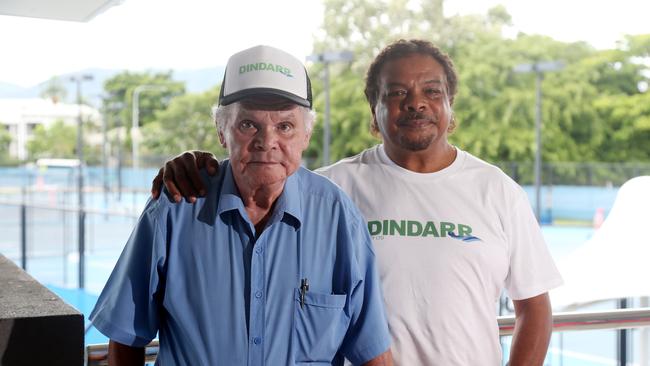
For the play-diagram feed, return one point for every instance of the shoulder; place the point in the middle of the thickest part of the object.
(319, 190)
(346, 165)
(166, 207)
(489, 175)
(313, 184)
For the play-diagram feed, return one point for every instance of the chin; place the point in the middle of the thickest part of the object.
(267, 176)
(415, 144)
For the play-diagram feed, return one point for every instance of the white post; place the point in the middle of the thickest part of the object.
(135, 126)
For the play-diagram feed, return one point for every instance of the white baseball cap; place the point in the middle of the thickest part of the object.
(265, 70)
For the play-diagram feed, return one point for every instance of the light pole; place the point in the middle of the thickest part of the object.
(81, 236)
(326, 58)
(539, 68)
(135, 127)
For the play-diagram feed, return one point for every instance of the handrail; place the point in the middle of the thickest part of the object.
(97, 354)
(570, 321)
(71, 209)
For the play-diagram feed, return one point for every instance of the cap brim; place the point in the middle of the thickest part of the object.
(250, 93)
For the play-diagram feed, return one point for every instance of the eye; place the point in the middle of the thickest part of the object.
(245, 125)
(433, 92)
(285, 127)
(396, 93)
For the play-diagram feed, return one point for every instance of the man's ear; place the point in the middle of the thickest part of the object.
(374, 127)
(222, 139)
(305, 143)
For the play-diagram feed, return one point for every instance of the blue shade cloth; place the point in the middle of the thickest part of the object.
(218, 294)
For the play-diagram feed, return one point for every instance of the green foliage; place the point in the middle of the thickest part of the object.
(5, 141)
(186, 124)
(597, 108)
(59, 140)
(349, 117)
(118, 105)
(56, 141)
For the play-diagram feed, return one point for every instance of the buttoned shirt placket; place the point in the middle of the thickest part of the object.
(257, 302)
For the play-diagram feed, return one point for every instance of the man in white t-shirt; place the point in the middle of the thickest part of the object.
(450, 231)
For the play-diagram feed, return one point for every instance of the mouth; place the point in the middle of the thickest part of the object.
(263, 162)
(415, 122)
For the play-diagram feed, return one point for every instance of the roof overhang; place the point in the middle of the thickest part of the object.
(71, 10)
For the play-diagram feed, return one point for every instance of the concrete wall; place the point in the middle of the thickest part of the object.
(36, 326)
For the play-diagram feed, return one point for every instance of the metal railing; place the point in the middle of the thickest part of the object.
(23, 206)
(97, 354)
(570, 321)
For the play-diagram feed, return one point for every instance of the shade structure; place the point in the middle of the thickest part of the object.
(72, 10)
(615, 262)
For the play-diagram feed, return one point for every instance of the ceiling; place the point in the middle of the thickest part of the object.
(71, 10)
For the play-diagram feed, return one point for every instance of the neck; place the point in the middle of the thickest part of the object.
(259, 201)
(424, 161)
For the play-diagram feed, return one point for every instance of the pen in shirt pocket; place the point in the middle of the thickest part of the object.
(304, 287)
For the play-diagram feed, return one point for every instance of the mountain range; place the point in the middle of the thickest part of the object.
(196, 81)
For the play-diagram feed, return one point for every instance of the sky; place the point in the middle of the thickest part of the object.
(188, 34)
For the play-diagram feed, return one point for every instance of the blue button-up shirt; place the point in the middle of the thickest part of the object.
(219, 293)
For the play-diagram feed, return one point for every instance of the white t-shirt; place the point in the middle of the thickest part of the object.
(447, 243)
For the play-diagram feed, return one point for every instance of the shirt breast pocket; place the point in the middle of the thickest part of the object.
(319, 327)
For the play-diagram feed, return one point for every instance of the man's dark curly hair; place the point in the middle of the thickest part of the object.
(404, 48)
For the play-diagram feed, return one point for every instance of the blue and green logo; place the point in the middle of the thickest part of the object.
(440, 229)
(265, 66)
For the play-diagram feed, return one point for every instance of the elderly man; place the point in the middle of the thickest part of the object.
(450, 230)
(273, 267)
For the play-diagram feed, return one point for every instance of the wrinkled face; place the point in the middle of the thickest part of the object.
(265, 140)
(413, 111)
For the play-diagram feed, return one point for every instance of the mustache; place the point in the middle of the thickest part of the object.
(415, 116)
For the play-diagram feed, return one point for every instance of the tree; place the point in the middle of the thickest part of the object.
(117, 105)
(59, 140)
(186, 124)
(593, 110)
(5, 141)
(56, 141)
(350, 118)
(367, 27)
(119, 89)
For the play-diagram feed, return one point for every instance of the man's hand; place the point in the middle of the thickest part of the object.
(181, 175)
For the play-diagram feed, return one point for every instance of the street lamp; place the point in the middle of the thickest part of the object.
(326, 58)
(135, 127)
(80, 180)
(539, 68)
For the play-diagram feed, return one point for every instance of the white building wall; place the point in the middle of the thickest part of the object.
(20, 116)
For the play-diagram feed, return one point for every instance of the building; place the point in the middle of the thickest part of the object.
(20, 116)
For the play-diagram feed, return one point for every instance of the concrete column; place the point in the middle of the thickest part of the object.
(36, 326)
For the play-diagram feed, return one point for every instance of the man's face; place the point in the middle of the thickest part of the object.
(413, 111)
(265, 141)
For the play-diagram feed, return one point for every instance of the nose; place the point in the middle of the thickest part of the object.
(414, 101)
(265, 139)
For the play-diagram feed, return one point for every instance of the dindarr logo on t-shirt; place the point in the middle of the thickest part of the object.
(443, 229)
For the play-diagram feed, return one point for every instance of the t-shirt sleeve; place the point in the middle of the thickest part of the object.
(127, 309)
(532, 269)
(368, 335)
